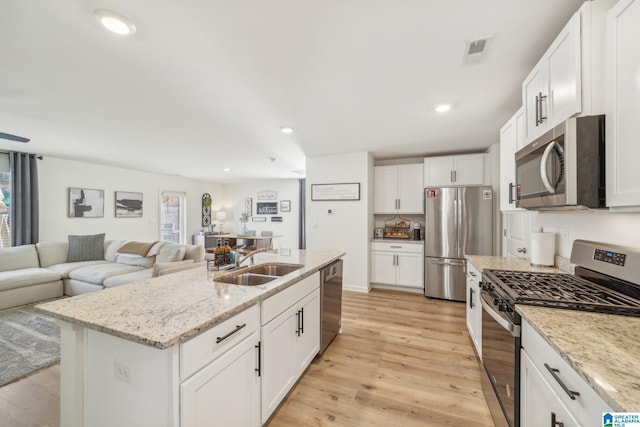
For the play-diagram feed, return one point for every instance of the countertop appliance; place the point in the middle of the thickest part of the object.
(330, 303)
(458, 222)
(607, 280)
(564, 168)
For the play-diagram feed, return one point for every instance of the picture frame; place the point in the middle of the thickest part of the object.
(285, 205)
(259, 219)
(266, 208)
(267, 195)
(128, 204)
(276, 219)
(248, 206)
(335, 192)
(85, 203)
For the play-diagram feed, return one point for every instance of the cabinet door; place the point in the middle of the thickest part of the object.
(385, 189)
(534, 85)
(508, 142)
(308, 338)
(278, 360)
(471, 300)
(516, 234)
(564, 70)
(383, 267)
(468, 169)
(410, 189)
(410, 270)
(539, 405)
(623, 105)
(438, 171)
(225, 392)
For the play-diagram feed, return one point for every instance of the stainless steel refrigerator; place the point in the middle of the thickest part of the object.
(458, 222)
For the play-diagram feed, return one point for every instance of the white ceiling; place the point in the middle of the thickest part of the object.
(206, 84)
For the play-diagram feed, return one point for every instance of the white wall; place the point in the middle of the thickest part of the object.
(348, 227)
(601, 226)
(57, 175)
(286, 189)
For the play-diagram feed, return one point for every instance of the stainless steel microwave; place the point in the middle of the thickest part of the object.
(564, 168)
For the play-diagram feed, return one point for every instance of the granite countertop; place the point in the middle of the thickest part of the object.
(167, 310)
(602, 348)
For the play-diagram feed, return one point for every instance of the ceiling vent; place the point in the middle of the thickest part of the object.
(475, 51)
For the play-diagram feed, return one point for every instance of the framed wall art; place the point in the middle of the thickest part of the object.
(86, 203)
(336, 192)
(266, 208)
(248, 206)
(128, 204)
(285, 205)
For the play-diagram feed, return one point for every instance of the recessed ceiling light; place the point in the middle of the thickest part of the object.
(286, 129)
(443, 108)
(114, 22)
(226, 170)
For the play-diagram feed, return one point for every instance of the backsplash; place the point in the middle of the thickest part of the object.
(564, 264)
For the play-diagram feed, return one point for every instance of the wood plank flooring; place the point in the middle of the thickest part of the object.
(402, 360)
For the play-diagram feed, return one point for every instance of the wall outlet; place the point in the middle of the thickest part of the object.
(122, 372)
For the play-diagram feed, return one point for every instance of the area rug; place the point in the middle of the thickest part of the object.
(28, 341)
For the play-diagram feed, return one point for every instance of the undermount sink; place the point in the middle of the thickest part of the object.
(273, 269)
(259, 274)
(246, 279)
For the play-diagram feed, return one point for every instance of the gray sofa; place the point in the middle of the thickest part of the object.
(33, 273)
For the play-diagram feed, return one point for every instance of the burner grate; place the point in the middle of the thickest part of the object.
(564, 291)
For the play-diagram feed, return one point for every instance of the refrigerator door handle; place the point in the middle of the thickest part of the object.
(462, 263)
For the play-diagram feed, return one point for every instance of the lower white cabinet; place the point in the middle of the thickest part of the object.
(290, 341)
(399, 264)
(227, 390)
(474, 307)
(551, 388)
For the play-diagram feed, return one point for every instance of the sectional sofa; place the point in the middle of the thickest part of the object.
(33, 273)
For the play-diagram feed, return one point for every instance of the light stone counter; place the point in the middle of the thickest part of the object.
(603, 349)
(167, 310)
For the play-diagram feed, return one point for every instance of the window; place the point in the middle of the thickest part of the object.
(173, 216)
(5, 202)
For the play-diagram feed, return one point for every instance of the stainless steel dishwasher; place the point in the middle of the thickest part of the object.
(330, 303)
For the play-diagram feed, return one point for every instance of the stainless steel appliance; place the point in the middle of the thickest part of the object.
(564, 168)
(606, 281)
(458, 222)
(330, 303)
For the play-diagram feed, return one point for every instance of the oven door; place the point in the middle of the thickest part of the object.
(501, 360)
(541, 174)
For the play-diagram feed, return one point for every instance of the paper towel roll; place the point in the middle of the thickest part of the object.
(542, 249)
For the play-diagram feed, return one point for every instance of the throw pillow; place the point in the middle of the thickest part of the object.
(171, 253)
(136, 248)
(86, 248)
(158, 268)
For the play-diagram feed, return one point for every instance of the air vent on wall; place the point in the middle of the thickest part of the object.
(476, 50)
(13, 137)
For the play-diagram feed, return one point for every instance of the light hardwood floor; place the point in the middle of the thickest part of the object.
(402, 360)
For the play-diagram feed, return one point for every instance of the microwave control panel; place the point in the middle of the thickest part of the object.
(610, 257)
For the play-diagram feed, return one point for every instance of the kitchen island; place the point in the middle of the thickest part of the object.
(164, 351)
(602, 349)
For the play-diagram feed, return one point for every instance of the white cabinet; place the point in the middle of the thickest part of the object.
(398, 264)
(227, 390)
(549, 385)
(511, 140)
(398, 189)
(623, 106)
(567, 79)
(290, 340)
(461, 170)
(474, 307)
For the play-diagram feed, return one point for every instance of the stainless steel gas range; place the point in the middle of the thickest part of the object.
(607, 280)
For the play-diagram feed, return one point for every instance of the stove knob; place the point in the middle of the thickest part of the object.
(503, 307)
(497, 301)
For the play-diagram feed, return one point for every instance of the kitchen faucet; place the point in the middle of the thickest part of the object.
(240, 260)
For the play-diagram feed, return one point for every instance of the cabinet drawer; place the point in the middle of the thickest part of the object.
(199, 351)
(588, 405)
(273, 306)
(397, 247)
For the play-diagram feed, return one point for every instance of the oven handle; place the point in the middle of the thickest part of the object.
(505, 323)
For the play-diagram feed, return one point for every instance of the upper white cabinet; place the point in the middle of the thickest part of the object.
(567, 80)
(461, 170)
(623, 106)
(399, 189)
(511, 140)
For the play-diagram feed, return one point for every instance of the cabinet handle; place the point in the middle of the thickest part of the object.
(238, 327)
(539, 99)
(259, 368)
(452, 180)
(470, 298)
(572, 394)
(455, 175)
(537, 111)
(298, 321)
(395, 247)
(511, 200)
(521, 250)
(398, 204)
(472, 273)
(302, 320)
(555, 423)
